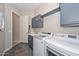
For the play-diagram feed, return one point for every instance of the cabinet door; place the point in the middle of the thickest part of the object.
(34, 23)
(30, 38)
(69, 13)
(37, 22)
(40, 22)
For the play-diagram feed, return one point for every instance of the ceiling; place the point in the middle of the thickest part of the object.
(26, 8)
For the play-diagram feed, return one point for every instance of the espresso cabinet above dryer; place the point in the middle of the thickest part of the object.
(37, 22)
(69, 14)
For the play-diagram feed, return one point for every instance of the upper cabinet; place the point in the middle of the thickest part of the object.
(69, 14)
(37, 22)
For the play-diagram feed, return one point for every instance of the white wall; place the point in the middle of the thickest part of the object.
(24, 29)
(8, 25)
(52, 22)
(45, 7)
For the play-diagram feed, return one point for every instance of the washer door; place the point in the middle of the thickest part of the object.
(51, 52)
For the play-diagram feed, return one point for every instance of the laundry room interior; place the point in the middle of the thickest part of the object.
(39, 29)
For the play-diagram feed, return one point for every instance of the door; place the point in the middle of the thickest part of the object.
(37, 22)
(69, 14)
(24, 29)
(16, 28)
(30, 41)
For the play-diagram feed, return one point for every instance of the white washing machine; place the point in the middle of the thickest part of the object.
(38, 44)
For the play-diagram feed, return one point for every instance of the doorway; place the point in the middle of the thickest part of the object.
(15, 29)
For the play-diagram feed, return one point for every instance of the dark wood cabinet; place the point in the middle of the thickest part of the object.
(37, 22)
(30, 41)
(69, 14)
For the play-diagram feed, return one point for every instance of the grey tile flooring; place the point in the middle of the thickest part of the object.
(21, 49)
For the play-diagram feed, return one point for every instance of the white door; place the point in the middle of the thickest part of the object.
(24, 29)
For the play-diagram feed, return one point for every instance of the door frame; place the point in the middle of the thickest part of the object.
(13, 11)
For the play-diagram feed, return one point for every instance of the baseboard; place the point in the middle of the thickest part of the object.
(6, 50)
(10, 48)
(20, 41)
(17, 41)
(23, 41)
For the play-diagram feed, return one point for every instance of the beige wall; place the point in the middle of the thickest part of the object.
(30, 20)
(8, 25)
(24, 29)
(2, 43)
(52, 22)
(45, 7)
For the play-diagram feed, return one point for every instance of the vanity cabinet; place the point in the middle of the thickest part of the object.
(30, 41)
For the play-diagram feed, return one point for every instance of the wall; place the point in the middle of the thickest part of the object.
(2, 43)
(30, 21)
(8, 25)
(24, 29)
(52, 22)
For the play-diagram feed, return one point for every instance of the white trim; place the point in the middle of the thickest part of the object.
(11, 20)
(17, 41)
(6, 50)
(15, 12)
(16, 44)
(24, 42)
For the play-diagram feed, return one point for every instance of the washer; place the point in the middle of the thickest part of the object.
(38, 44)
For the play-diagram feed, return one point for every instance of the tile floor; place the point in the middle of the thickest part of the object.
(21, 49)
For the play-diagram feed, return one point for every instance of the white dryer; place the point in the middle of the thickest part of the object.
(62, 45)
